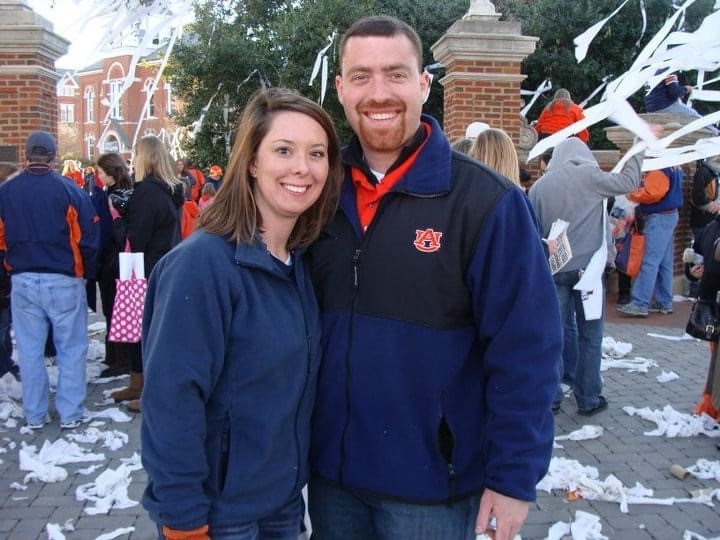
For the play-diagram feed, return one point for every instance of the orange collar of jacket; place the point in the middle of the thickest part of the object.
(368, 194)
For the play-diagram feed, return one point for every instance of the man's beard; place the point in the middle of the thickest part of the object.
(379, 139)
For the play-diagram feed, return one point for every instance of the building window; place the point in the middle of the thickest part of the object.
(90, 149)
(89, 104)
(169, 105)
(67, 91)
(67, 113)
(151, 105)
(111, 144)
(116, 109)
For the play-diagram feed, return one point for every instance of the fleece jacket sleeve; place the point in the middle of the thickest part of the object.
(89, 237)
(185, 327)
(518, 322)
(654, 187)
(611, 184)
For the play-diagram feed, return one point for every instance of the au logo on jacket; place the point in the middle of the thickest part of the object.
(427, 241)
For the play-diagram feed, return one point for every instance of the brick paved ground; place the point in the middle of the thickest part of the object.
(623, 451)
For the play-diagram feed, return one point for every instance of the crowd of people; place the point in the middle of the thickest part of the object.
(378, 322)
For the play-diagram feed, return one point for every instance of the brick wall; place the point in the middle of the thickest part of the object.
(496, 102)
(27, 101)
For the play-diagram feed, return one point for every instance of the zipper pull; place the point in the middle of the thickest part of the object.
(355, 260)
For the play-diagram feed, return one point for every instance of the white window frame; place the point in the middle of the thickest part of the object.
(89, 104)
(67, 113)
(116, 110)
(150, 113)
(90, 147)
(169, 104)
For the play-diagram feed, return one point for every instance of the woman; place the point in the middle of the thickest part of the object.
(151, 226)
(495, 148)
(7, 364)
(227, 408)
(706, 245)
(559, 114)
(115, 177)
(71, 172)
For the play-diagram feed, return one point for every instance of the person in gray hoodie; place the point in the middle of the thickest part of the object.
(574, 189)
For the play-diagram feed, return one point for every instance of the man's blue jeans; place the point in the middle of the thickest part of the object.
(656, 272)
(339, 513)
(37, 301)
(282, 525)
(588, 383)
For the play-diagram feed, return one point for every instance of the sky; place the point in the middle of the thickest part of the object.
(69, 21)
(67, 17)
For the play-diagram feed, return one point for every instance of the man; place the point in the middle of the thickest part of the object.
(215, 177)
(441, 331)
(705, 204)
(574, 189)
(49, 239)
(659, 199)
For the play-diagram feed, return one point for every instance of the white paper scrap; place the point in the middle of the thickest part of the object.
(704, 469)
(672, 423)
(116, 533)
(684, 337)
(615, 349)
(582, 42)
(585, 433)
(113, 413)
(667, 376)
(637, 364)
(109, 490)
(585, 527)
(689, 535)
(54, 531)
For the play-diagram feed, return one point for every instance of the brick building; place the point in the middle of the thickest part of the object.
(85, 96)
(28, 50)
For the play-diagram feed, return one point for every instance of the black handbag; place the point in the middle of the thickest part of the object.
(704, 322)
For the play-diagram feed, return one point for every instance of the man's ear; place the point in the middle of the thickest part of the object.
(339, 88)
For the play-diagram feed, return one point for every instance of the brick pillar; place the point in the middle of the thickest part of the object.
(482, 58)
(623, 139)
(28, 97)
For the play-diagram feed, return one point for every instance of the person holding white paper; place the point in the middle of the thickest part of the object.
(151, 226)
(574, 189)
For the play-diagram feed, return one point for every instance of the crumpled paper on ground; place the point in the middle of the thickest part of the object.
(689, 535)
(684, 337)
(44, 465)
(97, 328)
(672, 423)
(112, 439)
(667, 376)
(585, 433)
(615, 349)
(55, 531)
(637, 364)
(116, 533)
(109, 490)
(113, 413)
(585, 527)
(704, 469)
(571, 476)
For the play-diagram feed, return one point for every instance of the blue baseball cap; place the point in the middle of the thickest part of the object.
(40, 144)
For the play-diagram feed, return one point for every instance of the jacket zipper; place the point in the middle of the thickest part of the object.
(356, 284)
(304, 388)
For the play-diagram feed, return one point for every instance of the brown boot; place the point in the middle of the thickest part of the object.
(133, 390)
(134, 406)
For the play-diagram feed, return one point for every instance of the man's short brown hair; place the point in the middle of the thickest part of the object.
(382, 26)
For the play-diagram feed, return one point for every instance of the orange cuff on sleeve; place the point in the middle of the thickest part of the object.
(201, 533)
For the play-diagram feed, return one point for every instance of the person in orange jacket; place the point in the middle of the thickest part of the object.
(190, 213)
(560, 113)
(199, 179)
(659, 198)
(70, 171)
